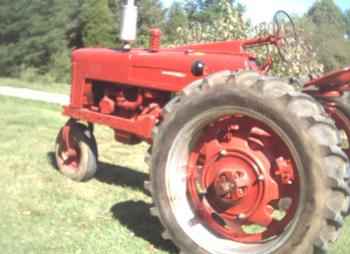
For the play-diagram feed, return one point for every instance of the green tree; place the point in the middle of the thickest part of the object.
(31, 34)
(327, 26)
(326, 12)
(176, 17)
(205, 11)
(97, 24)
(224, 22)
(151, 15)
(347, 21)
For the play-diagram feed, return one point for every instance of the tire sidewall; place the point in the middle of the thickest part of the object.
(88, 154)
(313, 183)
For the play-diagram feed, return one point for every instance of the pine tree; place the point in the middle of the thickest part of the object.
(31, 34)
(97, 24)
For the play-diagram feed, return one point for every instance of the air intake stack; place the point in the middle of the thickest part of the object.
(129, 23)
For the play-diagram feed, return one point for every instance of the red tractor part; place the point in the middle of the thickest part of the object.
(76, 152)
(330, 85)
(226, 174)
(233, 172)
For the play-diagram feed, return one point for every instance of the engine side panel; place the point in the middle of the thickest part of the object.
(164, 70)
(126, 90)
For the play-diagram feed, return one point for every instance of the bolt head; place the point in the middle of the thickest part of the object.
(223, 152)
(241, 216)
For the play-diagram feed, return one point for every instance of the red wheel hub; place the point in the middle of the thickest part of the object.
(69, 151)
(231, 185)
(238, 171)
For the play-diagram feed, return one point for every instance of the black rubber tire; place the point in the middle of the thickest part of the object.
(314, 136)
(88, 165)
(343, 107)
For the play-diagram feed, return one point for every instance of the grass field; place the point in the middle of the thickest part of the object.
(43, 212)
(47, 87)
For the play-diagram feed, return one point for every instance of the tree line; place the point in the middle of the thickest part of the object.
(36, 36)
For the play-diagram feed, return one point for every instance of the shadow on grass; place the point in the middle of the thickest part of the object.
(136, 217)
(133, 215)
(114, 175)
(121, 176)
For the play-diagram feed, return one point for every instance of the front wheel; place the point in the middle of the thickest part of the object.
(233, 172)
(78, 163)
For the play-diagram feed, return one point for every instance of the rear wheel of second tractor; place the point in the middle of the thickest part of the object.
(339, 110)
(242, 164)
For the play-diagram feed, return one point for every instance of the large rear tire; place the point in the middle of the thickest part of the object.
(191, 210)
(340, 112)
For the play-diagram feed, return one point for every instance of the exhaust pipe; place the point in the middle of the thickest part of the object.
(129, 23)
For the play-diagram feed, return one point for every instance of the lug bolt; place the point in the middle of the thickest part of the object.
(223, 152)
(242, 216)
(200, 189)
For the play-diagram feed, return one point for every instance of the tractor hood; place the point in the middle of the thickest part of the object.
(167, 69)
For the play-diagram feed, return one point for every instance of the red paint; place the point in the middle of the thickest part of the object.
(69, 155)
(234, 178)
(107, 105)
(160, 72)
(155, 73)
(155, 39)
(332, 80)
(242, 171)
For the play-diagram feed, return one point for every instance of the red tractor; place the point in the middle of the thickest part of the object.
(240, 162)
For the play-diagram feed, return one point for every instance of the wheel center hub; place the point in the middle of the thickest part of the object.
(231, 185)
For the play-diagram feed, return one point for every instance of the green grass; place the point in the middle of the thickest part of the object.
(43, 212)
(40, 85)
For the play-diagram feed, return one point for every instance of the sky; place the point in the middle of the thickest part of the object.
(263, 10)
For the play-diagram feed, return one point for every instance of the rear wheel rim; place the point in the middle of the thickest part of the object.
(213, 203)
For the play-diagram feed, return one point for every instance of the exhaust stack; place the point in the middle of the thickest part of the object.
(129, 23)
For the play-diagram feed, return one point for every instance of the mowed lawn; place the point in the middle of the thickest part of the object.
(43, 212)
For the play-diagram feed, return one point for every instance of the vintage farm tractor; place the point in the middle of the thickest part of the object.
(240, 162)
